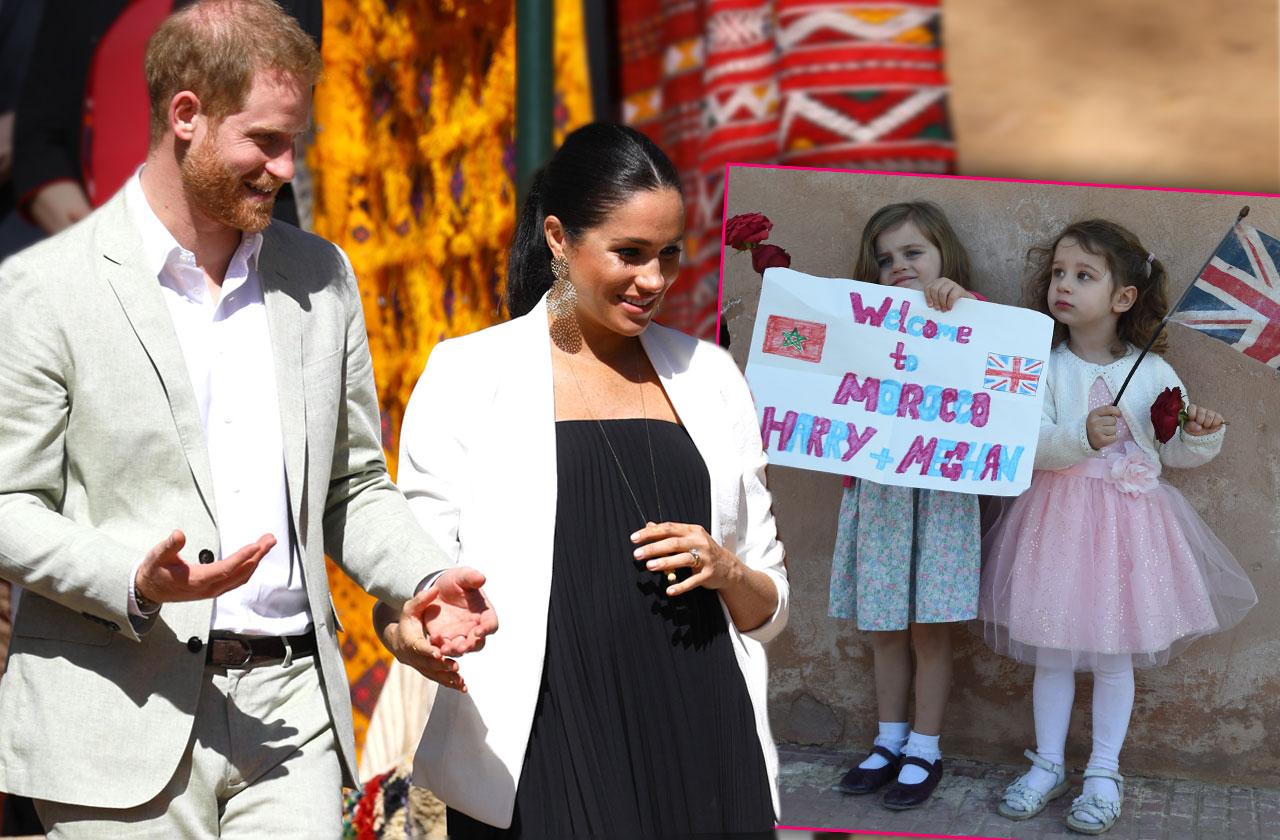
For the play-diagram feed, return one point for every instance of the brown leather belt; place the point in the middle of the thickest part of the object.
(227, 650)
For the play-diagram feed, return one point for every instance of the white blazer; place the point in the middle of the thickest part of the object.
(478, 465)
(1064, 441)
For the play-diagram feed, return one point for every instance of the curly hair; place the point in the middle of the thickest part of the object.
(932, 223)
(1130, 264)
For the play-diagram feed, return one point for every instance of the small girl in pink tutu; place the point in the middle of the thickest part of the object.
(1101, 565)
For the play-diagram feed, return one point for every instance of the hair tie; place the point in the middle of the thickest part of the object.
(1150, 258)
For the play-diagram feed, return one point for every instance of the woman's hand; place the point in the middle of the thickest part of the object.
(668, 546)
(943, 293)
(749, 594)
(1202, 421)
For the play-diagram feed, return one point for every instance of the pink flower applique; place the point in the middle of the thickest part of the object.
(1135, 472)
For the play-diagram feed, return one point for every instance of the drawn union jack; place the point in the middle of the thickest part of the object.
(1236, 299)
(1012, 374)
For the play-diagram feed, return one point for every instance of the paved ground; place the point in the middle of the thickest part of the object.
(964, 805)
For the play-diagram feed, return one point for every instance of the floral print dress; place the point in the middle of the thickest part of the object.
(905, 555)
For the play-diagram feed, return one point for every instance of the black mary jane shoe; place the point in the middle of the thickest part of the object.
(900, 797)
(860, 780)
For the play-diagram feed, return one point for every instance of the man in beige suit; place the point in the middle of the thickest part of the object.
(188, 424)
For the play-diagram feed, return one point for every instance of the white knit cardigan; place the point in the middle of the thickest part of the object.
(1063, 438)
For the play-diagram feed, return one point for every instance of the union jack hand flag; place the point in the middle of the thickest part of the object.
(1236, 299)
(1012, 374)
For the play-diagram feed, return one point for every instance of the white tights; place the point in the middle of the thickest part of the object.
(1054, 693)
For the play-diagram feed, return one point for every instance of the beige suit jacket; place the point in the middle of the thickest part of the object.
(102, 454)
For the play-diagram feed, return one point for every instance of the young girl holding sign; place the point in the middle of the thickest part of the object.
(906, 561)
(1101, 566)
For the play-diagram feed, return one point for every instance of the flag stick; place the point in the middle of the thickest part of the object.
(1244, 211)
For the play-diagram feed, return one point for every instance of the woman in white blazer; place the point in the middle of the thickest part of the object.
(605, 474)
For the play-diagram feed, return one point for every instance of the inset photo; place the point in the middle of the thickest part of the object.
(1021, 459)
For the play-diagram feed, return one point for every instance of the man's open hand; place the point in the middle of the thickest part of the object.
(456, 616)
(164, 576)
(449, 618)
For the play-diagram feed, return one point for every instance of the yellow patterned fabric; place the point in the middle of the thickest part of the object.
(413, 166)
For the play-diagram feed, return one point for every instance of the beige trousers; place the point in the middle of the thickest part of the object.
(262, 763)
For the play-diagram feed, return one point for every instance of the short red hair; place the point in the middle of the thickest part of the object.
(214, 48)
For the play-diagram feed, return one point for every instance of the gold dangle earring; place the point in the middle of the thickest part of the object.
(563, 305)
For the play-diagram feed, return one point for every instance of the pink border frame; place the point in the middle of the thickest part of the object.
(724, 217)
(885, 833)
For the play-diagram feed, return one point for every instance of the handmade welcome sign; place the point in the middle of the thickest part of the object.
(868, 381)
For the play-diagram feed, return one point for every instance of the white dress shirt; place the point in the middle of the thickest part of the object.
(227, 347)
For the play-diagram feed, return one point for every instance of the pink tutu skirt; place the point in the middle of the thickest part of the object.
(1092, 560)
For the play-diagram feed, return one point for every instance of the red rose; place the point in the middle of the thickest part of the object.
(769, 256)
(746, 230)
(1166, 413)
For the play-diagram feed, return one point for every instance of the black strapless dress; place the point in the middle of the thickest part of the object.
(644, 728)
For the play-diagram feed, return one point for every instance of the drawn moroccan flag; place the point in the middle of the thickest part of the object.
(794, 339)
(1237, 298)
(1012, 374)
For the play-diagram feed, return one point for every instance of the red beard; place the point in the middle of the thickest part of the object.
(221, 194)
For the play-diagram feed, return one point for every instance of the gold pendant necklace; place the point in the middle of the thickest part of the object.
(653, 471)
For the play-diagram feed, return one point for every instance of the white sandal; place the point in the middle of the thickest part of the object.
(1021, 801)
(1105, 812)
